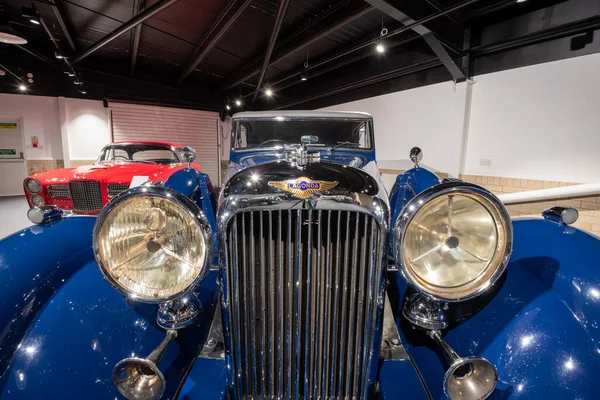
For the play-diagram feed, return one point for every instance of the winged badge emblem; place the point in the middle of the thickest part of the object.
(303, 188)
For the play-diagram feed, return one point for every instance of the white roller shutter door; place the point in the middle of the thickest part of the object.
(197, 129)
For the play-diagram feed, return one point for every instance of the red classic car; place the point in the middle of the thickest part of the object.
(87, 189)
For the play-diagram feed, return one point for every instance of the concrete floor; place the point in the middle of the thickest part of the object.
(13, 215)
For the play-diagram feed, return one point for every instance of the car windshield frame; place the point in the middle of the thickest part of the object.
(238, 122)
(102, 157)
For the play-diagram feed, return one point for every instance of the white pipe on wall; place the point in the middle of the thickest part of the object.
(588, 189)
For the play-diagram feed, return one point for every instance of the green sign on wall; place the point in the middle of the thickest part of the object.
(8, 152)
(8, 125)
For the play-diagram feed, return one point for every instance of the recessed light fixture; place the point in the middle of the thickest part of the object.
(227, 106)
(31, 14)
(238, 102)
(9, 36)
(30, 80)
(269, 92)
(29, 75)
(22, 88)
(380, 48)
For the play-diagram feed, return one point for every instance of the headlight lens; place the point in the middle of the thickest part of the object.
(153, 243)
(33, 186)
(454, 242)
(37, 200)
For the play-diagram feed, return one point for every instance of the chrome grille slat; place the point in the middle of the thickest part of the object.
(114, 189)
(86, 195)
(59, 191)
(303, 293)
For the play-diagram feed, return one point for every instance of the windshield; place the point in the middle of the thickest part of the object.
(138, 153)
(257, 133)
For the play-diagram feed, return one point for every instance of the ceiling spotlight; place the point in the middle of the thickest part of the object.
(70, 73)
(30, 80)
(521, 1)
(22, 88)
(82, 92)
(58, 54)
(29, 75)
(2, 72)
(303, 77)
(238, 102)
(9, 36)
(31, 14)
(227, 106)
(269, 92)
(380, 48)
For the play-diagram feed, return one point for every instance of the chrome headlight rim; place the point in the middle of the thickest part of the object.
(190, 208)
(26, 185)
(412, 208)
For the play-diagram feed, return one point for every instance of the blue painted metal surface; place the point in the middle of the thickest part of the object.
(64, 328)
(407, 186)
(398, 379)
(540, 324)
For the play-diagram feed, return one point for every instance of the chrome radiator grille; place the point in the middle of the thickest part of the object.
(86, 195)
(114, 189)
(302, 289)
(59, 191)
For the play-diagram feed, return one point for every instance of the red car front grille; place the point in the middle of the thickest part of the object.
(86, 196)
(59, 191)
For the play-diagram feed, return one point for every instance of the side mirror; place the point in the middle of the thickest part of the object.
(416, 155)
(189, 155)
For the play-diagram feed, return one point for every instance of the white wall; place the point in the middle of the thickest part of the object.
(429, 117)
(538, 122)
(87, 128)
(40, 118)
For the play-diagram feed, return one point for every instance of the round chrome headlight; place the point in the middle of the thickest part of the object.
(33, 186)
(37, 200)
(153, 244)
(453, 241)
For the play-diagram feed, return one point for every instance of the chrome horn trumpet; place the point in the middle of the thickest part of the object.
(469, 378)
(139, 378)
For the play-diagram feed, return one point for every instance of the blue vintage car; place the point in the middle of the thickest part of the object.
(303, 280)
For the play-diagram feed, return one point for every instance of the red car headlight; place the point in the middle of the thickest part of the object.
(33, 186)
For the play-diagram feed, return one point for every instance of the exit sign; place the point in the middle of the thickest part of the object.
(8, 152)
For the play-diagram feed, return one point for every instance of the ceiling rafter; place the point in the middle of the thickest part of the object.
(132, 23)
(218, 34)
(134, 44)
(429, 37)
(276, 27)
(347, 16)
(374, 38)
(395, 73)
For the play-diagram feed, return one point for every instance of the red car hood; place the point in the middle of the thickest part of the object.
(110, 173)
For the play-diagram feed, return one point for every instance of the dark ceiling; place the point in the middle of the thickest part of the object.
(208, 53)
